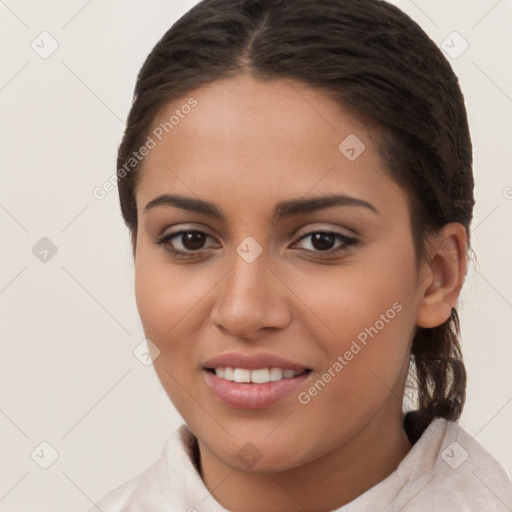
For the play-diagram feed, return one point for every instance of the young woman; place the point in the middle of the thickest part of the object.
(296, 177)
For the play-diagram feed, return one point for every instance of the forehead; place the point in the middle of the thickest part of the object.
(243, 112)
(253, 142)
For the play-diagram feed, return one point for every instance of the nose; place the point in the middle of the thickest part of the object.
(251, 301)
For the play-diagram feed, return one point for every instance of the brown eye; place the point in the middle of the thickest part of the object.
(193, 240)
(185, 243)
(327, 243)
(323, 241)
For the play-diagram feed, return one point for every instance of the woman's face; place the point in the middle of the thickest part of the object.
(256, 282)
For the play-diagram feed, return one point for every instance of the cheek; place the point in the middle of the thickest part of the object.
(163, 296)
(166, 293)
(347, 301)
(364, 336)
(167, 301)
(363, 316)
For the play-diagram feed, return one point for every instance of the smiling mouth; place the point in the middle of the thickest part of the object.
(256, 376)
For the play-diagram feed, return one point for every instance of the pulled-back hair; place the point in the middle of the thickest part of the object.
(372, 59)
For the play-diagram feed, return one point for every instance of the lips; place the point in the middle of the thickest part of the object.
(220, 375)
(252, 362)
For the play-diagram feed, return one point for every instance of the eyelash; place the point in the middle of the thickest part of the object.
(166, 239)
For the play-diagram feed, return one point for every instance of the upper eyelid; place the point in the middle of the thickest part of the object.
(307, 230)
(311, 231)
(335, 231)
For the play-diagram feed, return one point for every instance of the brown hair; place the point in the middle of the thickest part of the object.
(374, 60)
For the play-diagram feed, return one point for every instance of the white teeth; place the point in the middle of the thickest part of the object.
(241, 375)
(259, 376)
(276, 374)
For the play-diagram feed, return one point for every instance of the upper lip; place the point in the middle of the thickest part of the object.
(252, 362)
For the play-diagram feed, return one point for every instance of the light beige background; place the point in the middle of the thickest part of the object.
(69, 326)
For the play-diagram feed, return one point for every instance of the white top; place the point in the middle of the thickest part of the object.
(446, 470)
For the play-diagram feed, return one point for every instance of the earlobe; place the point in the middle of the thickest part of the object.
(443, 275)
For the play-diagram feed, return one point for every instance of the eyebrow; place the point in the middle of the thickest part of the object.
(283, 210)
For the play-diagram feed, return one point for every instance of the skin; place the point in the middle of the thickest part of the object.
(245, 147)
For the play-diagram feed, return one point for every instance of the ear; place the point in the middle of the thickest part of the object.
(442, 275)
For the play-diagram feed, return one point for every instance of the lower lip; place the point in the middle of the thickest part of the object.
(253, 396)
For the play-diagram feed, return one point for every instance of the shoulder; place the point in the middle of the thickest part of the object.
(172, 482)
(449, 470)
(145, 491)
(472, 471)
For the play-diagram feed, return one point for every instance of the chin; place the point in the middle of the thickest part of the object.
(260, 455)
